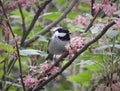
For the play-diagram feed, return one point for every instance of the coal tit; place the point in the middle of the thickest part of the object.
(56, 45)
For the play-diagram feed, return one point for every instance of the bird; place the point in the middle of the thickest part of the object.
(57, 42)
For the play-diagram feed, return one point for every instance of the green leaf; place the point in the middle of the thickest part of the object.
(2, 59)
(101, 48)
(54, 15)
(60, 1)
(81, 78)
(91, 56)
(43, 39)
(72, 15)
(84, 7)
(93, 67)
(29, 52)
(51, 15)
(95, 29)
(7, 47)
(112, 33)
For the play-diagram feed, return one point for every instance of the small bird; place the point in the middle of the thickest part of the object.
(56, 45)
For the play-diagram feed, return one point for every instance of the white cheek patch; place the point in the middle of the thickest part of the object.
(62, 34)
(56, 34)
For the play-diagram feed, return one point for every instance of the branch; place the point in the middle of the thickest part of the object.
(75, 56)
(23, 19)
(17, 49)
(47, 28)
(92, 21)
(34, 21)
(92, 10)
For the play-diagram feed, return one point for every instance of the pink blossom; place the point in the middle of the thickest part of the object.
(75, 43)
(35, 1)
(33, 68)
(5, 33)
(88, 1)
(97, 6)
(3, 27)
(116, 86)
(53, 70)
(14, 56)
(30, 82)
(109, 9)
(15, 40)
(80, 20)
(44, 66)
(23, 2)
(11, 4)
(117, 23)
(105, 1)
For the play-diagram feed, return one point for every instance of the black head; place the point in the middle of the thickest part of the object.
(63, 34)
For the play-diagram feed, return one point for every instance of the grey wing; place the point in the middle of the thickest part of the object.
(50, 56)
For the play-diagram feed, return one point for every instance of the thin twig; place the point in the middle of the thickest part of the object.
(92, 21)
(17, 49)
(75, 56)
(47, 28)
(92, 10)
(34, 21)
(23, 19)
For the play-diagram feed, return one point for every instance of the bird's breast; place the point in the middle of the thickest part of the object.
(57, 46)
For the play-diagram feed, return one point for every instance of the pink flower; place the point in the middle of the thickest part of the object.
(109, 9)
(23, 2)
(44, 66)
(11, 4)
(33, 68)
(75, 43)
(3, 27)
(88, 1)
(105, 1)
(14, 56)
(80, 20)
(30, 82)
(35, 1)
(53, 70)
(5, 33)
(117, 23)
(97, 6)
(15, 41)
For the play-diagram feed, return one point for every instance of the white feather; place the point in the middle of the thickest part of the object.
(56, 34)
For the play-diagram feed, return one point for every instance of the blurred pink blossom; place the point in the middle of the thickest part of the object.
(117, 23)
(109, 9)
(88, 1)
(35, 1)
(5, 33)
(15, 41)
(105, 1)
(23, 2)
(80, 20)
(75, 43)
(53, 70)
(33, 68)
(11, 4)
(14, 56)
(44, 66)
(97, 6)
(30, 82)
